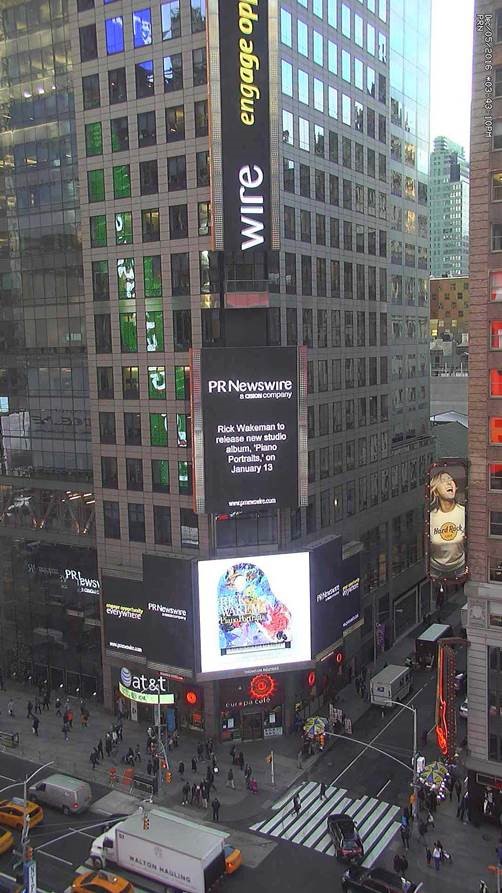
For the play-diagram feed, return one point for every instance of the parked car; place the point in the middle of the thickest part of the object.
(370, 880)
(346, 841)
(464, 709)
(6, 840)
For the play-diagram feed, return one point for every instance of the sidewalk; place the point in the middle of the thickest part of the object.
(72, 757)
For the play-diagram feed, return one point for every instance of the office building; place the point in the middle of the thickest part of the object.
(112, 279)
(449, 209)
(449, 325)
(484, 607)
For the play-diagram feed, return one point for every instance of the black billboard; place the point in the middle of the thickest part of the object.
(248, 440)
(153, 618)
(335, 601)
(245, 124)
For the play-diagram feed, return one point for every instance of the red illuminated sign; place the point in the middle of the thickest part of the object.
(262, 686)
(191, 697)
(311, 679)
(339, 657)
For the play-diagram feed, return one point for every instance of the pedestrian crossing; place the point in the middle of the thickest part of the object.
(375, 819)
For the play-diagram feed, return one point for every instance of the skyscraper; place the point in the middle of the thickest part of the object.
(484, 523)
(449, 209)
(135, 152)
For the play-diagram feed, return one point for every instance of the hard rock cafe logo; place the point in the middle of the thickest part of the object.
(448, 531)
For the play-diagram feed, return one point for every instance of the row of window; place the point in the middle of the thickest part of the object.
(162, 534)
(150, 223)
(134, 479)
(298, 131)
(142, 29)
(298, 84)
(158, 429)
(320, 381)
(351, 26)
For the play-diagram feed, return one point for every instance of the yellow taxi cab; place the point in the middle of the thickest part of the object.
(233, 859)
(6, 840)
(12, 813)
(100, 882)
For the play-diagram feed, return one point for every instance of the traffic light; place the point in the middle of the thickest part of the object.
(146, 823)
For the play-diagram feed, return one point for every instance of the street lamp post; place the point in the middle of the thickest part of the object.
(415, 749)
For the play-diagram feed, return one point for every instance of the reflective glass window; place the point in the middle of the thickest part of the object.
(142, 27)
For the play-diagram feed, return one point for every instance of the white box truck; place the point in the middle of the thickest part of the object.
(179, 853)
(390, 684)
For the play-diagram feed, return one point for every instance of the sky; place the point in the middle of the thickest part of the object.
(451, 61)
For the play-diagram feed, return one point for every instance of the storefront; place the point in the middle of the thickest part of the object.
(251, 708)
(485, 797)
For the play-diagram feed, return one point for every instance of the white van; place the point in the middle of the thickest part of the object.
(393, 683)
(71, 795)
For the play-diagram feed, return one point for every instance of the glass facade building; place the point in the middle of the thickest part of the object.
(449, 209)
(109, 293)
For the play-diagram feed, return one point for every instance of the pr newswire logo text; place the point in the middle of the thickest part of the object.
(252, 390)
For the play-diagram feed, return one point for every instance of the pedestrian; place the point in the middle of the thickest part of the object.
(115, 737)
(297, 804)
(35, 724)
(194, 764)
(186, 794)
(424, 738)
(247, 774)
(434, 801)
(108, 744)
(450, 784)
(462, 806)
(206, 746)
(93, 758)
(38, 705)
(29, 709)
(428, 855)
(241, 761)
(100, 749)
(69, 714)
(200, 751)
(84, 719)
(216, 809)
(422, 829)
(149, 767)
(232, 753)
(175, 738)
(430, 819)
(204, 794)
(436, 855)
(193, 794)
(129, 757)
(57, 705)
(458, 789)
(405, 836)
(156, 764)
(181, 768)
(120, 730)
(47, 701)
(10, 708)
(322, 791)
(357, 683)
(230, 779)
(65, 731)
(482, 887)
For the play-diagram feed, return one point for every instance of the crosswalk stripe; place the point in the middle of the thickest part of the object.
(375, 820)
(317, 813)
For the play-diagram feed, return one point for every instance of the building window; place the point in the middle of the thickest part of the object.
(495, 383)
(496, 335)
(111, 519)
(144, 79)
(98, 231)
(170, 19)
(182, 330)
(132, 428)
(105, 382)
(107, 432)
(136, 519)
(495, 426)
(147, 129)
(199, 66)
(176, 173)
(134, 474)
(128, 332)
(119, 130)
(90, 91)
(173, 73)
(162, 525)
(189, 529)
(150, 225)
(495, 523)
(158, 429)
(198, 15)
(96, 185)
(202, 168)
(178, 221)
(130, 382)
(126, 278)
(88, 43)
(142, 27)
(201, 118)
(148, 177)
(117, 86)
(114, 32)
(94, 139)
(123, 228)
(175, 123)
(160, 475)
(103, 333)
(121, 181)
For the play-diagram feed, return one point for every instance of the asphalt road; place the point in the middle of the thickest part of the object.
(61, 845)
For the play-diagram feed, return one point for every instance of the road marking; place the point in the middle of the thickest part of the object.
(52, 856)
(377, 736)
(383, 789)
(84, 833)
(8, 778)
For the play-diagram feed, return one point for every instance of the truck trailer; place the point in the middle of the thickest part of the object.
(164, 847)
(393, 683)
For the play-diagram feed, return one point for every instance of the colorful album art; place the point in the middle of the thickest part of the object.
(249, 614)
(254, 612)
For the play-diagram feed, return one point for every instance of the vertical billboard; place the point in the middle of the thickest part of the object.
(254, 613)
(247, 439)
(240, 124)
(446, 521)
(335, 597)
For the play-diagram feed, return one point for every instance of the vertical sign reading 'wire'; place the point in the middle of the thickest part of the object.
(240, 123)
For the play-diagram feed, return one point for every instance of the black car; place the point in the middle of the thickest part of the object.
(374, 880)
(346, 841)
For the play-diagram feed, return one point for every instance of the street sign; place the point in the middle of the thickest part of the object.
(30, 876)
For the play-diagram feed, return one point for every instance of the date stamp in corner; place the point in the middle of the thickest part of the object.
(484, 27)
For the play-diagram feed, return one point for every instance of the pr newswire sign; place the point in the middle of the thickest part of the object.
(245, 124)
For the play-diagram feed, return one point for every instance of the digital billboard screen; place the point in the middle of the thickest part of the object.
(254, 612)
(446, 521)
(245, 124)
(334, 594)
(153, 618)
(249, 404)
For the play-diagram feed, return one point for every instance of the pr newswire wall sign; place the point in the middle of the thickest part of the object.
(246, 431)
(245, 124)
